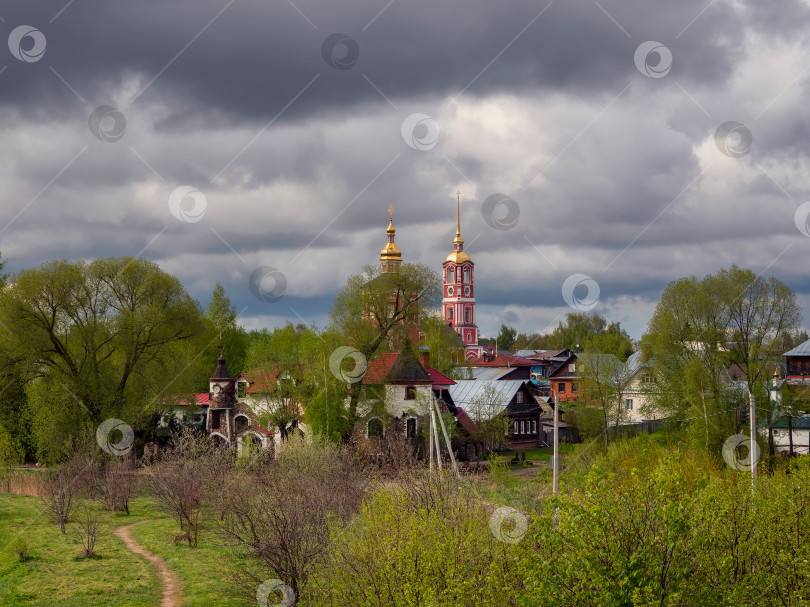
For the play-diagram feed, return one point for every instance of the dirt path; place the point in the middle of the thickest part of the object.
(171, 587)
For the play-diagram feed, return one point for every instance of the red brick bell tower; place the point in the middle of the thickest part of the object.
(458, 298)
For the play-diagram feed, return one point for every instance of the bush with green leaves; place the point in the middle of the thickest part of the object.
(675, 533)
(425, 542)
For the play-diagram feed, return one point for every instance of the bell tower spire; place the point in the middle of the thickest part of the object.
(458, 300)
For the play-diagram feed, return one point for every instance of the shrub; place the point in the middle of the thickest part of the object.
(62, 486)
(117, 482)
(181, 480)
(21, 549)
(425, 542)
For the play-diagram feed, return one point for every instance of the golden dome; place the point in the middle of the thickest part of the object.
(390, 252)
(458, 257)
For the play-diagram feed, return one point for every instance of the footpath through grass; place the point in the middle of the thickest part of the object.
(54, 574)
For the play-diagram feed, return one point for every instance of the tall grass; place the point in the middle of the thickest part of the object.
(22, 482)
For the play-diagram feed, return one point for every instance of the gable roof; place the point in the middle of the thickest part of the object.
(803, 349)
(469, 393)
(634, 362)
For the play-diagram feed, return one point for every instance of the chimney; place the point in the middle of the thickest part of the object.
(424, 357)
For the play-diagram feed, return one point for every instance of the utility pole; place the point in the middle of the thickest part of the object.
(446, 438)
(752, 414)
(556, 444)
(435, 436)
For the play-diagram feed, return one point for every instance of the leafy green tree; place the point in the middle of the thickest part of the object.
(700, 328)
(221, 321)
(686, 335)
(580, 331)
(300, 356)
(372, 306)
(103, 337)
(446, 346)
(506, 338)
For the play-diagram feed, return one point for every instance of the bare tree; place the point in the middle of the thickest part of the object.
(88, 524)
(117, 482)
(183, 477)
(63, 486)
(488, 411)
(281, 516)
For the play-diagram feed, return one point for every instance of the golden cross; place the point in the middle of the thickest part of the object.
(391, 212)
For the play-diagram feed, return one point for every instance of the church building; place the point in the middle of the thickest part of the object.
(458, 298)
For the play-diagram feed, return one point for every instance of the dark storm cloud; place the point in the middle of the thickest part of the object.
(256, 56)
(598, 157)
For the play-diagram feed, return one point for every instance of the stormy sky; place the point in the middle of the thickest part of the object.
(601, 149)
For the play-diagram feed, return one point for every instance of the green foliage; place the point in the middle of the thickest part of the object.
(701, 327)
(427, 543)
(105, 334)
(506, 338)
(372, 306)
(446, 346)
(655, 526)
(580, 331)
(300, 356)
(222, 330)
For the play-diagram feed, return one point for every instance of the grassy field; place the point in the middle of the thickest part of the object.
(206, 572)
(55, 574)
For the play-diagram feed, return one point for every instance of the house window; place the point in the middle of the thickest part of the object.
(534, 426)
(647, 378)
(215, 420)
(451, 276)
(375, 428)
(241, 424)
(469, 338)
(519, 397)
(628, 404)
(523, 427)
(467, 316)
(466, 274)
(241, 389)
(516, 427)
(449, 313)
(574, 387)
(410, 393)
(410, 427)
(561, 387)
(572, 368)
